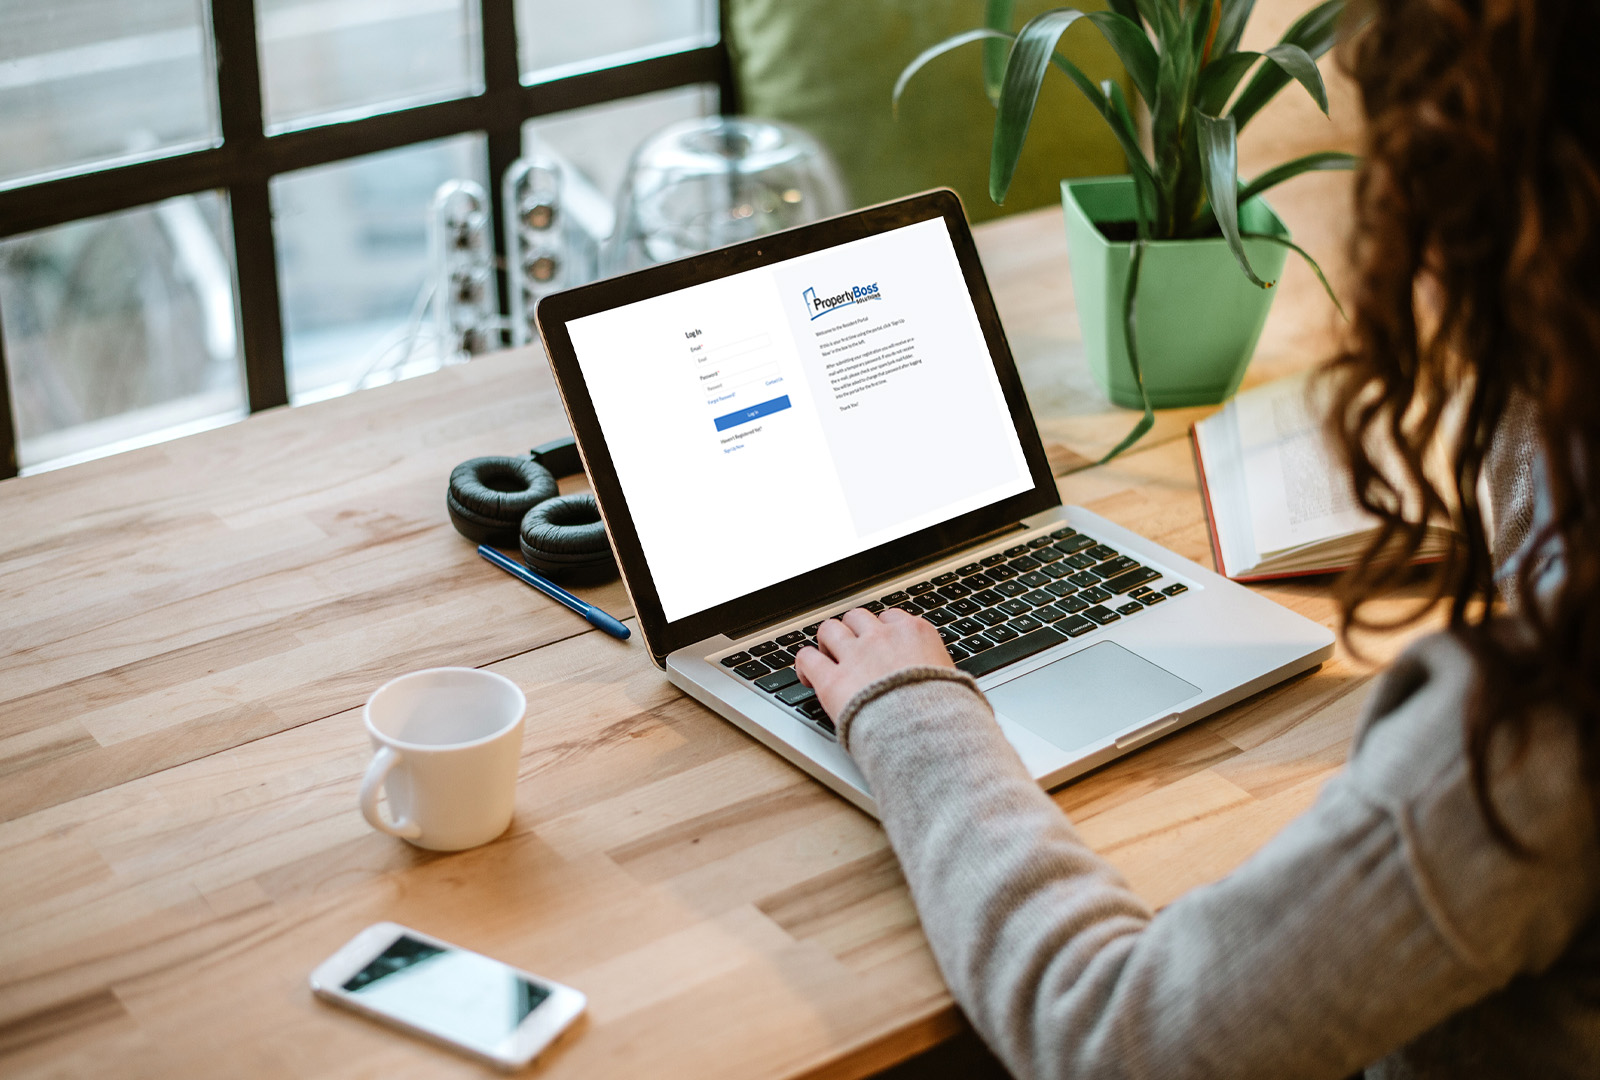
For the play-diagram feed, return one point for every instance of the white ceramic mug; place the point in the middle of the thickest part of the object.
(448, 743)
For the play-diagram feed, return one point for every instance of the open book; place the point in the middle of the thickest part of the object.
(1276, 502)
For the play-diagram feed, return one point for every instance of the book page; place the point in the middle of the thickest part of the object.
(1296, 494)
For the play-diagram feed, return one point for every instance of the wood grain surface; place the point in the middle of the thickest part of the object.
(187, 633)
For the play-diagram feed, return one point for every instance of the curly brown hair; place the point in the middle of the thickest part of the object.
(1477, 256)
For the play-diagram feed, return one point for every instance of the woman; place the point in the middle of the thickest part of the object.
(1435, 913)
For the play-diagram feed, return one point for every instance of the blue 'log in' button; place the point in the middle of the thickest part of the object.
(754, 412)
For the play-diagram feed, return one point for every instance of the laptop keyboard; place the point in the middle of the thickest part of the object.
(994, 611)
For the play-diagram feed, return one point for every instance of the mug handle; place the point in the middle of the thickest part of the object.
(382, 762)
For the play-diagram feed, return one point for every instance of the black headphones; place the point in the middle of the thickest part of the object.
(501, 500)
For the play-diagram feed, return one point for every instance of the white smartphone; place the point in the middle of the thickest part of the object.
(486, 1009)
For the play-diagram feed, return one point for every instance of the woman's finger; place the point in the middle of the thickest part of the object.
(831, 634)
(811, 661)
(860, 620)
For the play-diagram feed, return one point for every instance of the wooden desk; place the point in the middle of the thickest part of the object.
(186, 637)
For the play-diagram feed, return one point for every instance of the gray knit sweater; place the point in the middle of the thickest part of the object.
(1384, 929)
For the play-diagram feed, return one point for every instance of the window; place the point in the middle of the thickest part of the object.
(183, 241)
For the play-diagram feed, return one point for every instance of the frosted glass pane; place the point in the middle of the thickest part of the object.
(325, 59)
(121, 330)
(353, 262)
(600, 139)
(555, 37)
(84, 82)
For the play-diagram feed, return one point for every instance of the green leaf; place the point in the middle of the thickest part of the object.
(1128, 9)
(1230, 28)
(934, 51)
(1219, 160)
(1220, 78)
(1314, 32)
(1121, 124)
(1130, 320)
(996, 16)
(1031, 54)
(1298, 63)
(1133, 49)
(1145, 201)
(1327, 160)
(1300, 251)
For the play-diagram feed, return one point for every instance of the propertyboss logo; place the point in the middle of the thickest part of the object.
(818, 306)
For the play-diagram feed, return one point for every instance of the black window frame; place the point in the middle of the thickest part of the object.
(247, 158)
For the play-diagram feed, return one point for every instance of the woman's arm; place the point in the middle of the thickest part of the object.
(1354, 930)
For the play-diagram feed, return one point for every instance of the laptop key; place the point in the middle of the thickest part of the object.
(966, 627)
(1140, 591)
(1034, 580)
(753, 670)
(945, 579)
(1013, 552)
(777, 680)
(910, 609)
(797, 694)
(956, 652)
(1101, 614)
(1039, 542)
(988, 597)
(1000, 634)
(1012, 651)
(764, 648)
(1038, 596)
(733, 660)
(1024, 624)
(1100, 553)
(779, 660)
(1002, 572)
(1151, 599)
(1074, 545)
(1011, 588)
(992, 560)
(811, 631)
(1048, 613)
(1096, 594)
(948, 636)
(1132, 607)
(965, 606)
(940, 616)
(1112, 567)
(991, 617)
(1061, 588)
(1076, 625)
(873, 606)
(977, 581)
(920, 587)
(1175, 588)
(1047, 555)
(1062, 534)
(1015, 606)
(970, 568)
(794, 637)
(976, 645)
(1081, 561)
(895, 598)
(1023, 563)
(955, 591)
(1072, 604)
(1083, 579)
(1058, 570)
(1121, 583)
(813, 709)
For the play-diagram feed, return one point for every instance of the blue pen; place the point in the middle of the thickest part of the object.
(597, 618)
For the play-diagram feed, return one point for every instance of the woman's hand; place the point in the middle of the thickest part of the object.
(859, 648)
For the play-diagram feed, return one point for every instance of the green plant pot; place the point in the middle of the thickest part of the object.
(1198, 318)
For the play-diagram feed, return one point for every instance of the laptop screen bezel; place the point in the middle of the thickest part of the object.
(837, 579)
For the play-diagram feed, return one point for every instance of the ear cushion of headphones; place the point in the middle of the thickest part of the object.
(564, 538)
(489, 496)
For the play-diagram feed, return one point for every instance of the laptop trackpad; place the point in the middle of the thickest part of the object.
(1090, 695)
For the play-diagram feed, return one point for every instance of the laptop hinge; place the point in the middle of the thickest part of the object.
(829, 601)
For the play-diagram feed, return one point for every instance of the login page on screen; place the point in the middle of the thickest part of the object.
(777, 420)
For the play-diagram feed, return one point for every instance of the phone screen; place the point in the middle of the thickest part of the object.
(460, 996)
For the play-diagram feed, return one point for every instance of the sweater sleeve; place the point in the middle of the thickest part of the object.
(1381, 911)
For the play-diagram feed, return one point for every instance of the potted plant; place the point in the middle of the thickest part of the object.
(1180, 230)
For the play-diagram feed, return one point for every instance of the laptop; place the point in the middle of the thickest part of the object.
(829, 417)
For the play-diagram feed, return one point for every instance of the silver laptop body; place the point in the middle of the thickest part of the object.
(830, 417)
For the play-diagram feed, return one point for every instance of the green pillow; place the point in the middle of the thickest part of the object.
(829, 66)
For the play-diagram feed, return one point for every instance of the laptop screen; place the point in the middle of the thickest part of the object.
(780, 419)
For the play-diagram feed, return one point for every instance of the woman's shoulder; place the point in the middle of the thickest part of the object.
(1411, 758)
